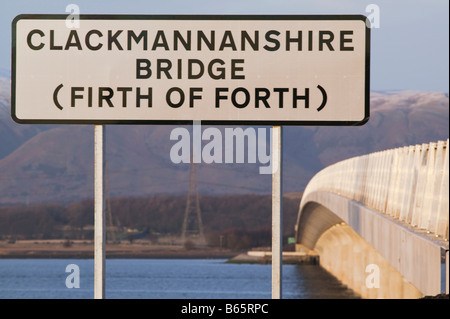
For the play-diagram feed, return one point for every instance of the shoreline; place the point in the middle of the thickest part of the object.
(115, 256)
(85, 250)
(265, 258)
(63, 249)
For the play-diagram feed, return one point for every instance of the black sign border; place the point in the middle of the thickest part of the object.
(193, 17)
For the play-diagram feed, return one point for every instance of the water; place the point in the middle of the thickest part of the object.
(164, 279)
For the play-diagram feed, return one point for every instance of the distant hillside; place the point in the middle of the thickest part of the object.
(50, 163)
(12, 135)
(397, 119)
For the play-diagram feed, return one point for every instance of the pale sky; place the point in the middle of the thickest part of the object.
(410, 49)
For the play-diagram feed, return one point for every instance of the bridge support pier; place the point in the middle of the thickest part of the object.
(359, 266)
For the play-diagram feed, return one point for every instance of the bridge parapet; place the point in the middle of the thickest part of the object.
(410, 184)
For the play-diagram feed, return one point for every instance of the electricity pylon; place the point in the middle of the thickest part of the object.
(192, 223)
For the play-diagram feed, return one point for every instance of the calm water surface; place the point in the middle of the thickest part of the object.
(164, 279)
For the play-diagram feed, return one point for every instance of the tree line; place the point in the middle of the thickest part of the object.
(244, 221)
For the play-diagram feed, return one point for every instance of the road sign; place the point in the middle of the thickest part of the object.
(136, 69)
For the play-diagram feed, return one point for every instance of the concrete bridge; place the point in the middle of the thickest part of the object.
(380, 222)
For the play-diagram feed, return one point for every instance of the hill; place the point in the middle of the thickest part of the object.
(54, 163)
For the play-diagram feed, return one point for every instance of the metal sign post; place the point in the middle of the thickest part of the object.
(99, 213)
(277, 212)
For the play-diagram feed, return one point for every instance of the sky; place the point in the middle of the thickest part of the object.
(409, 46)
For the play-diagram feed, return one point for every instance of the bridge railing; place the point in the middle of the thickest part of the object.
(409, 183)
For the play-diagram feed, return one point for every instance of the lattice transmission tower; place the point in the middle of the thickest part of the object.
(192, 222)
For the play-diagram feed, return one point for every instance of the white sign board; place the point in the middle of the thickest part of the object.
(132, 69)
